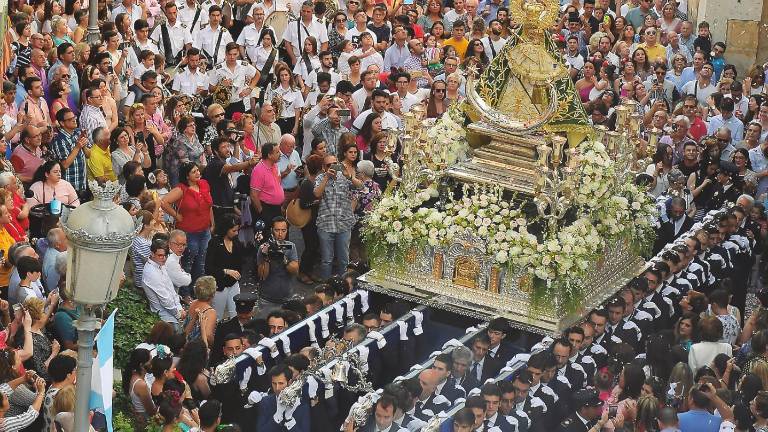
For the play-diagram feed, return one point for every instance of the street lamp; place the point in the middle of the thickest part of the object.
(99, 233)
(93, 22)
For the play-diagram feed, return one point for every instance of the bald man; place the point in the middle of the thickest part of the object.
(286, 166)
(430, 404)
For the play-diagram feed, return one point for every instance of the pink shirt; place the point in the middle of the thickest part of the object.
(25, 163)
(266, 180)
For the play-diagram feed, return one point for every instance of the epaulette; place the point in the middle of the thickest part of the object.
(183, 25)
(244, 63)
(567, 422)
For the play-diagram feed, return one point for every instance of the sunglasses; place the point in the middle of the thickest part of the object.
(66, 76)
(437, 90)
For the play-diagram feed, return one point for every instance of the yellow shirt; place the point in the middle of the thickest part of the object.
(100, 164)
(6, 241)
(461, 46)
(657, 52)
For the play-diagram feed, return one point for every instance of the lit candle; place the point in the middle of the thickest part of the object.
(558, 143)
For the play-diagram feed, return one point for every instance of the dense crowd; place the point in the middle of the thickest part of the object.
(226, 133)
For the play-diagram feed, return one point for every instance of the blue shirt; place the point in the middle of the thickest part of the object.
(699, 421)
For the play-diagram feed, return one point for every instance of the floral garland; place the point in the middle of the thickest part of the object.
(603, 209)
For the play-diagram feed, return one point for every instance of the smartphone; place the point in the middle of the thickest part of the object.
(337, 167)
(2, 254)
(344, 113)
(122, 46)
(606, 19)
(407, 2)
(612, 410)
(111, 69)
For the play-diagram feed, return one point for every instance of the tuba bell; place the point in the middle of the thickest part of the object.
(222, 94)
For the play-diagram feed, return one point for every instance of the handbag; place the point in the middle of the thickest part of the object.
(296, 215)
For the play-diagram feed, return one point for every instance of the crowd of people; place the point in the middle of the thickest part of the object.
(225, 133)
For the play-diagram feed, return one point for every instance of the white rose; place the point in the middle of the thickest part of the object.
(483, 231)
(502, 257)
(397, 225)
(391, 238)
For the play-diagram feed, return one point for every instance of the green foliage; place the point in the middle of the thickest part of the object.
(133, 321)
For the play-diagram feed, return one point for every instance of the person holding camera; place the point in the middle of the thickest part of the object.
(277, 261)
(335, 218)
(217, 173)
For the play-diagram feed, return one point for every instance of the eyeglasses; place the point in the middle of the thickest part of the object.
(650, 33)
(439, 90)
(723, 140)
(69, 118)
(66, 76)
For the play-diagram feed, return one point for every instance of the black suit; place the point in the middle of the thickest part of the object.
(223, 329)
(505, 353)
(451, 391)
(490, 369)
(468, 382)
(572, 424)
(666, 233)
(268, 407)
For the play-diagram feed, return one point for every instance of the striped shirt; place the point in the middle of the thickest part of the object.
(18, 422)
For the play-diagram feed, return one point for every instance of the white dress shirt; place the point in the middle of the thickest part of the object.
(178, 276)
(160, 292)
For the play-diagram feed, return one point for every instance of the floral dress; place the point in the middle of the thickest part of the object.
(181, 150)
(366, 197)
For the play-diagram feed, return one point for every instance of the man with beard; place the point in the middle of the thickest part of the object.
(493, 43)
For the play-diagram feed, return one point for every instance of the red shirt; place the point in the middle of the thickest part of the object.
(18, 204)
(195, 207)
(266, 180)
(698, 129)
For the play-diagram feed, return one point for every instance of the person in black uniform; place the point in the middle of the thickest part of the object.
(244, 304)
(587, 416)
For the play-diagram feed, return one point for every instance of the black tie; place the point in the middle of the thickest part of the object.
(608, 333)
(474, 370)
(419, 404)
(485, 424)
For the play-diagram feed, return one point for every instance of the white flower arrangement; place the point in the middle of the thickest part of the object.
(605, 211)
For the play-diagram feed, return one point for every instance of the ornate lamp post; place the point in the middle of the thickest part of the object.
(93, 21)
(99, 234)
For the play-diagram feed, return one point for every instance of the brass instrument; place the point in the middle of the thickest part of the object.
(278, 103)
(222, 94)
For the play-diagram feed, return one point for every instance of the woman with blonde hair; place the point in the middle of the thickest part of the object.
(247, 125)
(60, 31)
(760, 369)
(201, 319)
(144, 131)
(42, 348)
(680, 384)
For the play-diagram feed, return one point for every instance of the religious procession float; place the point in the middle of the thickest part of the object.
(512, 204)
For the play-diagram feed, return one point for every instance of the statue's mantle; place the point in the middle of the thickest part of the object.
(464, 279)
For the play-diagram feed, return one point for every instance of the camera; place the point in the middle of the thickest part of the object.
(276, 250)
(237, 133)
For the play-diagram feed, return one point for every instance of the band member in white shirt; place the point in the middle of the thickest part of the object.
(213, 39)
(173, 37)
(240, 76)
